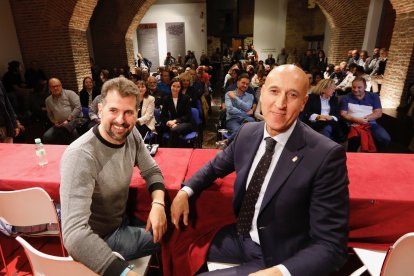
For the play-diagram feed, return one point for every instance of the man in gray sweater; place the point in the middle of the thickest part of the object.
(63, 108)
(96, 171)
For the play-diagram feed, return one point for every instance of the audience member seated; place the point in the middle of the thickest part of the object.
(176, 116)
(19, 96)
(188, 89)
(361, 109)
(360, 72)
(104, 76)
(10, 127)
(258, 115)
(372, 62)
(322, 111)
(163, 85)
(153, 91)
(354, 57)
(94, 116)
(311, 83)
(317, 77)
(328, 72)
(270, 60)
(88, 92)
(345, 86)
(201, 84)
(378, 72)
(239, 105)
(321, 61)
(255, 82)
(146, 120)
(34, 75)
(190, 60)
(143, 63)
(282, 57)
(363, 58)
(231, 79)
(63, 109)
(308, 61)
(338, 75)
(169, 60)
(145, 75)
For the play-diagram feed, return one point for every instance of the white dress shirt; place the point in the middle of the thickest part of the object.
(325, 109)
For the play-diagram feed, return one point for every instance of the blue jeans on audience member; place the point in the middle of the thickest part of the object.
(131, 241)
(233, 125)
(327, 131)
(381, 137)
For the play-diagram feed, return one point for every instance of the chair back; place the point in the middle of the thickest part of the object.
(399, 259)
(44, 265)
(196, 116)
(27, 207)
(157, 115)
(200, 108)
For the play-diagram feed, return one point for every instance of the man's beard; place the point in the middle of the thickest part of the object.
(117, 137)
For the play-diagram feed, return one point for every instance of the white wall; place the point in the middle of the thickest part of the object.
(9, 45)
(269, 27)
(195, 39)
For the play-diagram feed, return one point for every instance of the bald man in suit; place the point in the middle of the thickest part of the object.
(300, 221)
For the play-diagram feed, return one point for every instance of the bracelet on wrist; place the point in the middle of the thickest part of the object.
(127, 269)
(158, 202)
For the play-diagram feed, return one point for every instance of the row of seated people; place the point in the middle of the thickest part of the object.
(359, 64)
(353, 119)
(73, 114)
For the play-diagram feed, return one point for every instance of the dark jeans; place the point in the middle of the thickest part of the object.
(233, 125)
(331, 129)
(131, 241)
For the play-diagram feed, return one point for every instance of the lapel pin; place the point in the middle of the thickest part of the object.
(294, 159)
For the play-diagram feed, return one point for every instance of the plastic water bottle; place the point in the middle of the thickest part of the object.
(40, 152)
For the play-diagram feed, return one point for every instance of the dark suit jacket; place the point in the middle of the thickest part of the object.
(84, 96)
(314, 106)
(303, 221)
(182, 113)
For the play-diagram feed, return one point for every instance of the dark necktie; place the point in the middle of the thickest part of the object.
(244, 220)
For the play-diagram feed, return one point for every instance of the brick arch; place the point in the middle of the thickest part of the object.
(132, 29)
(77, 27)
(112, 28)
(399, 72)
(347, 20)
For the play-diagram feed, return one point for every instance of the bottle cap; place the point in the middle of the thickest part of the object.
(38, 141)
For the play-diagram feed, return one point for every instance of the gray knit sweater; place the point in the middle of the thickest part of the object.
(95, 178)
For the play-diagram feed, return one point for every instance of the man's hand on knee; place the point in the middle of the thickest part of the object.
(179, 208)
